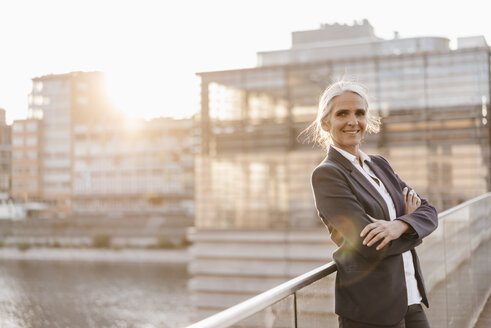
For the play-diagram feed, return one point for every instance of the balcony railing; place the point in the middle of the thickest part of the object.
(258, 303)
(456, 260)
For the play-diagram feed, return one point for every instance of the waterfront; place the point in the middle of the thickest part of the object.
(61, 293)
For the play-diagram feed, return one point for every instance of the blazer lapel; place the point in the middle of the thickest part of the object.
(395, 194)
(334, 155)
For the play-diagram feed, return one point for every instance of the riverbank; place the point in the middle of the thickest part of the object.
(97, 255)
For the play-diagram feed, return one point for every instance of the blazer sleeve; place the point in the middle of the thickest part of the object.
(338, 207)
(424, 220)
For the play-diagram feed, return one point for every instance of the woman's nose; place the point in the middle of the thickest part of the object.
(352, 120)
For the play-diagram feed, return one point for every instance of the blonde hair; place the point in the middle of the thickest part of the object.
(315, 133)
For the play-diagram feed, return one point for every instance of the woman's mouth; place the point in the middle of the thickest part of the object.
(351, 131)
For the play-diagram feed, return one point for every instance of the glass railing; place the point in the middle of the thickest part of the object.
(456, 260)
(276, 307)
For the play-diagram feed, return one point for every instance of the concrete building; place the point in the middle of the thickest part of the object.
(27, 169)
(95, 164)
(135, 169)
(5, 155)
(255, 221)
(61, 101)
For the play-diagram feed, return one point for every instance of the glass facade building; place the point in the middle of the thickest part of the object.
(254, 171)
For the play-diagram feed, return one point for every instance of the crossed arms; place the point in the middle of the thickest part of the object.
(343, 212)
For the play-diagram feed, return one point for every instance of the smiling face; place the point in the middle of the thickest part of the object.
(347, 121)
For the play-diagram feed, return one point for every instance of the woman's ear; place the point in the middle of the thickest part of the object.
(325, 126)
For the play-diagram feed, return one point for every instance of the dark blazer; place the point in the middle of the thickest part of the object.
(370, 284)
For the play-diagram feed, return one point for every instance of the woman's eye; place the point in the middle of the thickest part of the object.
(360, 113)
(340, 114)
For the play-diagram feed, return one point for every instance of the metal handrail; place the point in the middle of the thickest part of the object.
(257, 303)
(463, 205)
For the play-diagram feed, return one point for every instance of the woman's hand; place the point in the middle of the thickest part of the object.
(411, 201)
(382, 229)
(390, 230)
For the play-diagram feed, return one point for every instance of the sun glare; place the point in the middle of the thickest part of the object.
(147, 96)
(133, 97)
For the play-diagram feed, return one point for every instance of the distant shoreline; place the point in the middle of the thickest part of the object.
(96, 255)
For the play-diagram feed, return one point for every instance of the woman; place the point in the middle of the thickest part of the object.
(373, 219)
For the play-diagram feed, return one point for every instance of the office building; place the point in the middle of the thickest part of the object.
(97, 164)
(61, 101)
(135, 169)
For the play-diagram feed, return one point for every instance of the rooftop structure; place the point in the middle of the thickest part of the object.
(336, 41)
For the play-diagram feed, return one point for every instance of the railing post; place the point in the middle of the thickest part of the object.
(295, 309)
(236, 313)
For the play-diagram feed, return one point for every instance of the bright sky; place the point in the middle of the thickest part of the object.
(151, 49)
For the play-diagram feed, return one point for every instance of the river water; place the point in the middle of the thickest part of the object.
(93, 294)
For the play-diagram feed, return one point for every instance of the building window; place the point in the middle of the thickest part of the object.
(18, 155)
(32, 155)
(82, 86)
(31, 141)
(32, 126)
(17, 141)
(18, 127)
(38, 86)
(38, 100)
(82, 100)
(35, 113)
